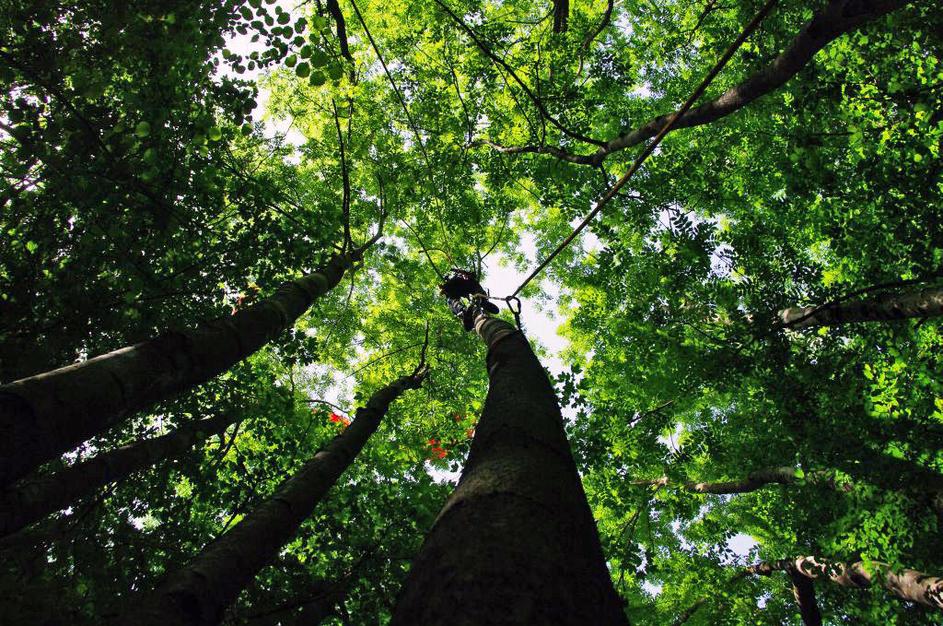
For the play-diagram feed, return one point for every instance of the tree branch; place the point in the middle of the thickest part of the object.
(530, 94)
(838, 18)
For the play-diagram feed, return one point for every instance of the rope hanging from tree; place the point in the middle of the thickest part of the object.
(697, 93)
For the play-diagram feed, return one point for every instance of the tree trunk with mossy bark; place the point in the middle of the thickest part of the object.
(46, 415)
(37, 496)
(516, 542)
(199, 593)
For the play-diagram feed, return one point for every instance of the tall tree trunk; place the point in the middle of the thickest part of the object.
(36, 497)
(561, 14)
(198, 593)
(515, 543)
(907, 584)
(48, 414)
(924, 303)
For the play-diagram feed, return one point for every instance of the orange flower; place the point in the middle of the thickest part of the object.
(340, 419)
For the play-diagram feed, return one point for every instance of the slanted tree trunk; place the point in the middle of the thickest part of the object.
(38, 496)
(309, 610)
(924, 303)
(48, 414)
(198, 593)
(515, 543)
(907, 584)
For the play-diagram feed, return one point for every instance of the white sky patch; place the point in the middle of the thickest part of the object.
(669, 440)
(651, 588)
(742, 545)
(243, 45)
(442, 475)
(540, 322)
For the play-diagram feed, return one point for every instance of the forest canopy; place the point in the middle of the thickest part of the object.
(232, 389)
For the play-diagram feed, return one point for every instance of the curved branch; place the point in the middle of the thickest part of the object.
(838, 18)
(591, 35)
(530, 94)
(335, 10)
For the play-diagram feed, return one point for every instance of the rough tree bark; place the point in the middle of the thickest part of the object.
(38, 496)
(561, 14)
(516, 542)
(836, 19)
(907, 584)
(924, 303)
(48, 414)
(198, 593)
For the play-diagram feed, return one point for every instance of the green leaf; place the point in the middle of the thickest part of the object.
(319, 58)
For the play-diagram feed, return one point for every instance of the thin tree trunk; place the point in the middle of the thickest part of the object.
(907, 584)
(309, 610)
(48, 414)
(199, 593)
(516, 542)
(753, 481)
(921, 482)
(924, 303)
(35, 497)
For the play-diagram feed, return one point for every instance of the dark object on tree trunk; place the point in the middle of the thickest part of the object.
(463, 285)
(516, 542)
(198, 594)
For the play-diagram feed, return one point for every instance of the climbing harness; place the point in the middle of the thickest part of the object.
(515, 309)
